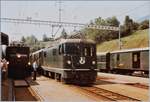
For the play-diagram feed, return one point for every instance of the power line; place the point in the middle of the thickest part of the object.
(134, 9)
(56, 24)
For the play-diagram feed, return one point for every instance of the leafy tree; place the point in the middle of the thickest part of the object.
(102, 35)
(144, 25)
(31, 40)
(135, 25)
(45, 38)
(63, 34)
(112, 21)
(23, 39)
(128, 25)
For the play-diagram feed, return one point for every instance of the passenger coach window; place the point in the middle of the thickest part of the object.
(135, 58)
(103, 59)
(118, 57)
(54, 51)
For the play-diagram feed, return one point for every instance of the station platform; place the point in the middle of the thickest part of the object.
(52, 91)
(123, 79)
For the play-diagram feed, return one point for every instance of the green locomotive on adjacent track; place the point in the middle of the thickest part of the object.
(69, 60)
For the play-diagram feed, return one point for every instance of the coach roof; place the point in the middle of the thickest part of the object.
(131, 50)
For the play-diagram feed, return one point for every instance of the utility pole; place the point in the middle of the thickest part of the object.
(52, 31)
(60, 10)
(119, 38)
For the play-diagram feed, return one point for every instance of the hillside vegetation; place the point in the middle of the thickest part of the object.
(138, 39)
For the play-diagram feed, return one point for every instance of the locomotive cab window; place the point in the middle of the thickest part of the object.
(40, 54)
(61, 49)
(44, 54)
(72, 48)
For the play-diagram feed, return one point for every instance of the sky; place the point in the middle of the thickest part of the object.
(72, 11)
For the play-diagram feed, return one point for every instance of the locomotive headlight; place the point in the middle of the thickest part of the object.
(93, 62)
(29, 63)
(7, 62)
(69, 62)
(18, 55)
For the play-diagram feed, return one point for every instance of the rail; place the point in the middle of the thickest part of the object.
(112, 96)
(138, 85)
(11, 90)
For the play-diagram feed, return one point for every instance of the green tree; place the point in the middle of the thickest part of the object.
(135, 25)
(23, 39)
(45, 38)
(128, 25)
(144, 25)
(112, 21)
(31, 40)
(102, 35)
(63, 34)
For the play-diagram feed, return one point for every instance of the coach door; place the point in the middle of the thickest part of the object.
(136, 60)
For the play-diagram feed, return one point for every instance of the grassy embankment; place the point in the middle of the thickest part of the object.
(138, 39)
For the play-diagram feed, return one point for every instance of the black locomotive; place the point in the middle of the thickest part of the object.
(69, 60)
(18, 59)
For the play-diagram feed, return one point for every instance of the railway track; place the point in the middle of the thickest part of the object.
(106, 80)
(139, 85)
(112, 96)
(23, 92)
(11, 90)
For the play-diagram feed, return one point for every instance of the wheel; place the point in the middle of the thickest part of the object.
(47, 73)
(52, 75)
(58, 77)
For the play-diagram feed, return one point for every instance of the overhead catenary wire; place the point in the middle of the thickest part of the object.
(131, 10)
